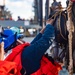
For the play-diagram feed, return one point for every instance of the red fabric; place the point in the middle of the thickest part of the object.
(47, 68)
(15, 56)
(6, 67)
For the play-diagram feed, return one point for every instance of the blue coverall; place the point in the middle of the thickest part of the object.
(32, 55)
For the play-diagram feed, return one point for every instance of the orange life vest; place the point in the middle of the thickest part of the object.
(12, 64)
(47, 68)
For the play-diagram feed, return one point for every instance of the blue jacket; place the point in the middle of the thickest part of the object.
(32, 55)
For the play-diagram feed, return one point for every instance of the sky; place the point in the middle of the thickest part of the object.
(23, 8)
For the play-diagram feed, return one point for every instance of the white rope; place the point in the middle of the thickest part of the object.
(70, 30)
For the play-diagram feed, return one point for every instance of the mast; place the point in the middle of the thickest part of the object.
(46, 9)
(40, 12)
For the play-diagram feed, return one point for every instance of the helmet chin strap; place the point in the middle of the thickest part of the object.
(19, 41)
(1, 29)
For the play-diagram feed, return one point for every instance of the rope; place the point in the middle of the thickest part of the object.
(70, 27)
(54, 16)
(59, 13)
(60, 26)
